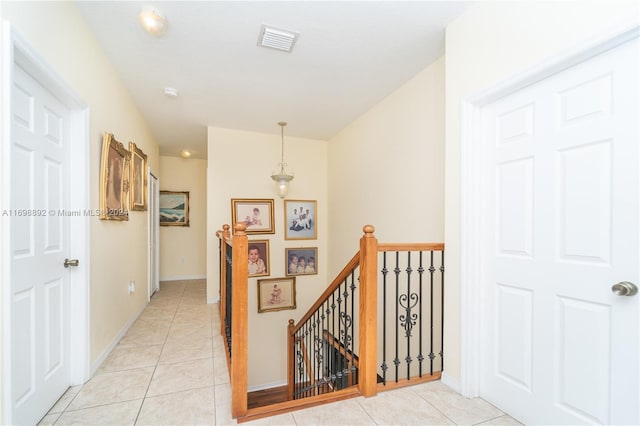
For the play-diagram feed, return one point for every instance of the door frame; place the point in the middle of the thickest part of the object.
(154, 231)
(16, 51)
(473, 238)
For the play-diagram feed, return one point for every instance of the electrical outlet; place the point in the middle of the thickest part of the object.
(132, 287)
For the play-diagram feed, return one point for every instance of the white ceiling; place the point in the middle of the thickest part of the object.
(348, 57)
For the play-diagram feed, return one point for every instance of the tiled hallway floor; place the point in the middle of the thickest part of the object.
(169, 369)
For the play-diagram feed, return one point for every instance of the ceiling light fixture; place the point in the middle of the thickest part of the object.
(185, 153)
(171, 92)
(282, 178)
(153, 21)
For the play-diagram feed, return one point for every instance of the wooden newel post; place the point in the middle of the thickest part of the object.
(290, 359)
(239, 321)
(367, 380)
(224, 235)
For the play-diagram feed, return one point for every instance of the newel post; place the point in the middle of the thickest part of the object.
(224, 236)
(239, 321)
(368, 350)
(290, 359)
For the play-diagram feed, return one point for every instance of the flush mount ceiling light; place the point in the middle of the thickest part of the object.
(185, 153)
(153, 21)
(282, 178)
(277, 38)
(171, 92)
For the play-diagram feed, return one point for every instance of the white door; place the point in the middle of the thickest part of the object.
(39, 245)
(154, 234)
(562, 175)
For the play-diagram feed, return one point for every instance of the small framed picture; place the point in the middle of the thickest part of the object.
(276, 294)
(138, 178)
(301, 260)
(174, 208)
(257, 214)
(300, 220)
(114, 179)
(258, 258)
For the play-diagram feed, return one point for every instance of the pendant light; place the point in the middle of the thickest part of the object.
(282, 178)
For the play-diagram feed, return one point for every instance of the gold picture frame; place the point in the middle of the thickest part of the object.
(256, 213)
(174, 208)
(259, 264)
(296, 256)
(276, 294)
(138, 178)
(300, 220)
(114, 179)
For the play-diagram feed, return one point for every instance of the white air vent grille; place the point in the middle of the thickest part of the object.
(277, 38)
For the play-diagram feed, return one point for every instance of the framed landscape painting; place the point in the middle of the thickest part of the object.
(174, 208)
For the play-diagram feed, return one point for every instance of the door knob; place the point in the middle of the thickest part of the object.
(71, 262)
(624, 288)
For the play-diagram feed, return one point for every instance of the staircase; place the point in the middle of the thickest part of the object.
(373, 328)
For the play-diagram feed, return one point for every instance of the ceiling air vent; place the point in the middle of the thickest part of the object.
(277, 38)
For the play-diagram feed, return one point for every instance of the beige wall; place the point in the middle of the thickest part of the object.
(387, 169)
(118, 250)
(183, 249)
(248, 176)
(489, 43)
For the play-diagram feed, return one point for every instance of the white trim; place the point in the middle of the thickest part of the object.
(473, 193)
(211, 300)
(114, 342)
(154, 235)
(267, 386)
(19, 52)
(183, 278)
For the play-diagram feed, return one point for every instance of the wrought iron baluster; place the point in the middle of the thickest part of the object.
(420, 356)
(396, 270)
(408, 320)
(384, 318)
(442, 313)
(337, 337)
(353, 316)
(432, 270)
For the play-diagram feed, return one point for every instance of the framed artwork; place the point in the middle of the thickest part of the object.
(114, 179)
(276, 294)
(301, 260)
(259, 258)
(138, 178)
(300, 220)
(256, 213)
(174, 208)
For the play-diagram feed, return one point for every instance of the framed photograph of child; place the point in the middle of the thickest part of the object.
(259, 258)
(256, 213)
(276, 294)
(301, 260)
(300, 220)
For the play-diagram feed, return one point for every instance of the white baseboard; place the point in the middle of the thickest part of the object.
(184, 277)
(98, 362)
(452, 382)
(211, 300)
(266, 386)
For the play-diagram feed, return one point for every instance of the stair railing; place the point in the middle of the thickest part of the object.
(234, 301)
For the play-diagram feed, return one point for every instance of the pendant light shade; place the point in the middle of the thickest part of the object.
(282, 178)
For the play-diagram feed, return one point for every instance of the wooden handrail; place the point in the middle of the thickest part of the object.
(225, 237)
(329, 290)
(410, 246)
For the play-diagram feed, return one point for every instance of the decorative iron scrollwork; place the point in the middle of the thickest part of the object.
(408, 320)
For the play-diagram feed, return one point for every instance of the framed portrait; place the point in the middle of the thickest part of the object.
(138, 178)
(256, 213)
(301, 260)
(300, 220)
(174, 208)
(276, 294)
(259, 258)
(114, 179)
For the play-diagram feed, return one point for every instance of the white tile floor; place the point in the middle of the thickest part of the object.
(169, 369)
